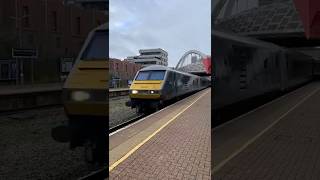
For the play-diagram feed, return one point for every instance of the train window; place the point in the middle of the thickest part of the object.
(4, 71)
(156, 75)
(143, 75)
(287, 62)
(265, 63)
(97, 48)
(150, 75)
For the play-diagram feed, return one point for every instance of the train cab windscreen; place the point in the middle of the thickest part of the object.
(150, 75)
(97, 48)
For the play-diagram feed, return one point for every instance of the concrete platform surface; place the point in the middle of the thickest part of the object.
(280, 140)
(171, 144)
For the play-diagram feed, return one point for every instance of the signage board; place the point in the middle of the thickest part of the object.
(24, 53)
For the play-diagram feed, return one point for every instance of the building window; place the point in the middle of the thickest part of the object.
(30, 39)
(54, 21)
(80, 44)
(26, 22)
(265, 63)
(4, 71)
(98, 22)
(78, 25)
(58, 42)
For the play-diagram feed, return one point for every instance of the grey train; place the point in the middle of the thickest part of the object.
(154, 85)
(245, 68)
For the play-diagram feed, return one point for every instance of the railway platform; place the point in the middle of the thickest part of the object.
(114, 92)
(173, 143)
(279, 140)
(17, 97)
(29, 96)
(23, 89)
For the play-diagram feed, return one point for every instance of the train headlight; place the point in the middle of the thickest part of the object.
(154, 92)
(134, 92)
(80, 95)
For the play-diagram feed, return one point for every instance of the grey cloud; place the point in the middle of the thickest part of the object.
(176, 26)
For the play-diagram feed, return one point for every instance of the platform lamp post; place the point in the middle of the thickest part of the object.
(18, 22)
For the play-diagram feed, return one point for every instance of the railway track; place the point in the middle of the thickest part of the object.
(23, 110)
(98, 174)
(113, 94)
(126, 123)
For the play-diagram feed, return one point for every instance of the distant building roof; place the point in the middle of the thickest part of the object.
(272, 19)
(153, 50)
(150, 57)
(93, 4)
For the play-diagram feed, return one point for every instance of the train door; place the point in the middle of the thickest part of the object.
(170, 85)
(283, 60)
(178, 84)
(175, 83)
(243, 55)
(276, 77)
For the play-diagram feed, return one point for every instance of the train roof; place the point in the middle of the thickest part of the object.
(89, 37)
(102, 27)
(164, 68)
(245, 39)
(154, 67)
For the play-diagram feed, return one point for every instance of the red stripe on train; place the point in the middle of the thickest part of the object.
(207, 64)
(309, 11)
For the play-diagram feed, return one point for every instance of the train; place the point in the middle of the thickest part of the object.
(245, 68)
(155, 85)
(85, 97)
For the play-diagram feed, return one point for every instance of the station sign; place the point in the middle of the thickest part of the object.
(66, 65)
(24, 53)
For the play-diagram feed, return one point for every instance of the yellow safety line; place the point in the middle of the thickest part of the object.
(149, 137)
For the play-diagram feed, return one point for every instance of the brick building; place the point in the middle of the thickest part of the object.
(121, 71)
(54, 30)
(149, 57)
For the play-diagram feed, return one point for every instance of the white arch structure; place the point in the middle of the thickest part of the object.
(186, 54)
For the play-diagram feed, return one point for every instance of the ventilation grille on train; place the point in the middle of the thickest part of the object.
(243, 75)
(186, 86)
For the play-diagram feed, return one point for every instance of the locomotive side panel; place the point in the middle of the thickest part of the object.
(242, 71)
(299, 69)
(154, 85)
(169, 91)
(222, 72)
(246, 68)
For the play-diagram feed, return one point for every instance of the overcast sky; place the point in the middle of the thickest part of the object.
(173, 25)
